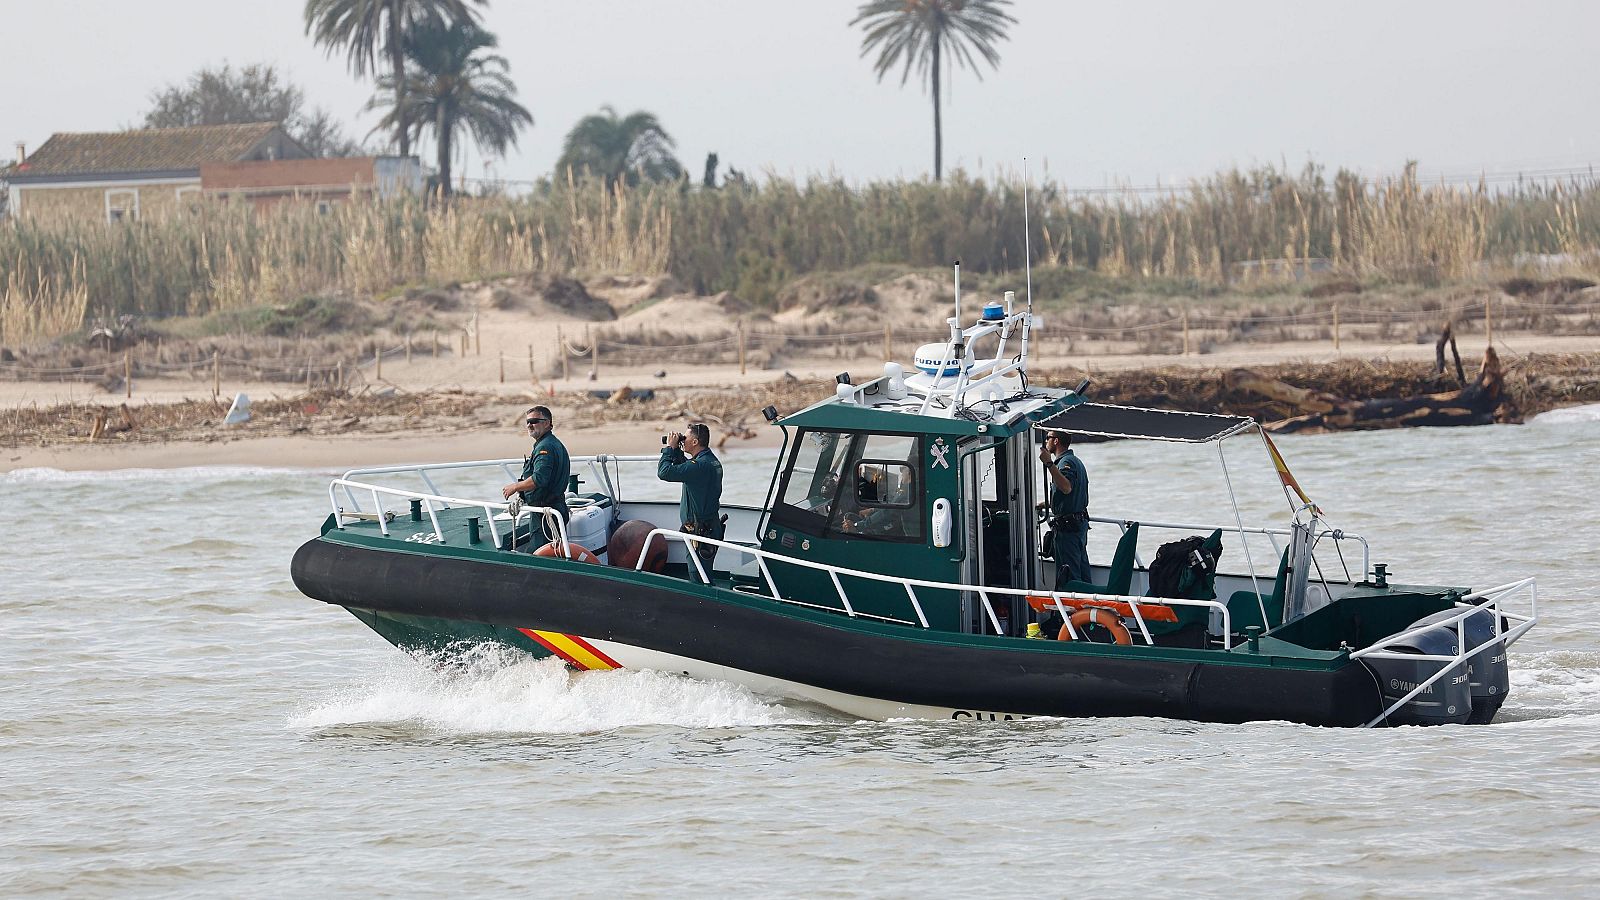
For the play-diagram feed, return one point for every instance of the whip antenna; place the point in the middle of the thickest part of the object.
(1027, 261)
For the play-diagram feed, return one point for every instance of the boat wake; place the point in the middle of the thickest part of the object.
(1558, 685)
(492, 691)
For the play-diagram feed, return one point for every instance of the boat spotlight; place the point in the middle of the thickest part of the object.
(842, 378)
(1082, 386)
(894, 381)
(770, 414)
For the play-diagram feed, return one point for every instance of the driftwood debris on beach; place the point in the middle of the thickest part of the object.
(1478, 403)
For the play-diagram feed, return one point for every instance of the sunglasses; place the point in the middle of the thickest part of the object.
(536, 421)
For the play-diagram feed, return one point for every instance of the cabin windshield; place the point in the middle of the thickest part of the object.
(862, 485)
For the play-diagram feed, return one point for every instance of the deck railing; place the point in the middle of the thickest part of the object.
(431, 504)
(1491, 600)
(604, 467)
(910, 585)
(1339, 535)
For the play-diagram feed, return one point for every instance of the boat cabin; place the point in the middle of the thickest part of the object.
(865, 484)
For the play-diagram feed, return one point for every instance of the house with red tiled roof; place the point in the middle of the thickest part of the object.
(126, 175)
(120, 175)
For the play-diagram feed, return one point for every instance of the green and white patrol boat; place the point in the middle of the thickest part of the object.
(895, 568)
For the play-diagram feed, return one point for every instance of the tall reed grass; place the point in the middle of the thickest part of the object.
(752, 238)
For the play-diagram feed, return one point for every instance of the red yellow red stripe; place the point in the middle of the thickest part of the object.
(579, 653)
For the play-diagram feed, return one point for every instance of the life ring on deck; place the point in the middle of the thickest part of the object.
(1100, 617)
(579, 553)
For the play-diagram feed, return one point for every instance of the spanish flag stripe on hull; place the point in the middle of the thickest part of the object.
(575, 650)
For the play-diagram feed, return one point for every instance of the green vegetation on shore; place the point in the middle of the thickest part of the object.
(753, 238)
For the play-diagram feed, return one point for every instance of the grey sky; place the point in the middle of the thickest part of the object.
(1100, 93)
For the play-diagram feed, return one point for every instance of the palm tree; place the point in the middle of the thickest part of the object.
(363, 27)
(921, 31)
(449, 87)
(620, 149)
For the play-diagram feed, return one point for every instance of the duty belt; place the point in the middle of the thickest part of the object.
(704, 527)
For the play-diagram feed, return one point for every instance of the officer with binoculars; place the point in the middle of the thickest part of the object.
(687, 459)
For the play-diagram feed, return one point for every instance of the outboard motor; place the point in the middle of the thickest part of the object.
(1487, 671)
(1448, 701)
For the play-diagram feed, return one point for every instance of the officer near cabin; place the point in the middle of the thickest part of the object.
(687, 459)
(545, 472)
(1069, 507)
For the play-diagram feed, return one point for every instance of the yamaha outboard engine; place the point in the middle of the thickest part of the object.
(1487, 671)
(1448, 701)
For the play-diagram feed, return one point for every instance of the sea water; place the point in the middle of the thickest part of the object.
(177, 720)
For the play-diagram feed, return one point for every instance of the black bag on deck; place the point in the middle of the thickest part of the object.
(1183, 568)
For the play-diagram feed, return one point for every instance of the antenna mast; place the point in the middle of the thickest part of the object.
(1027, 261)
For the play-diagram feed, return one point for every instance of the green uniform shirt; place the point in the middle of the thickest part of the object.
(1076, 502)
(702, 486)
(549, 466)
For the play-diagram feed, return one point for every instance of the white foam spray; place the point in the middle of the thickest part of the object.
(498, 691)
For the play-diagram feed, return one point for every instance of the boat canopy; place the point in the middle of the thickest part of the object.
(1107, 420)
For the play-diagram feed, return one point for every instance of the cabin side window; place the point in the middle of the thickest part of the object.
(885, 500)
(817, 466)
(861, 485)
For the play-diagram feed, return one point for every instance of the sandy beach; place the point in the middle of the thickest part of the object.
(494, 431)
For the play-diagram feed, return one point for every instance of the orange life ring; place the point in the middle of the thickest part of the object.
(579, 553)
(1097, 615)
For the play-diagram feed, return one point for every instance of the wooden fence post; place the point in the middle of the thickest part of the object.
(466, 343)
(435, 345)
(1336, 328)
(127, 371)
(594, 353)
(533, 373)
(477, 336)
(561, 351)
(216, 374)
(339, 370)
(741, 346)
(377, 363)
(1488, 321)
(408, 348)
(1186, 331)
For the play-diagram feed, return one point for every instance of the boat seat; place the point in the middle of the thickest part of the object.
(1188, 624)
(1120, 580)
(1244, 611)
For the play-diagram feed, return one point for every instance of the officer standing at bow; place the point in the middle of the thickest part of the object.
(544, 472)
(1069, 507)
(687, 459)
